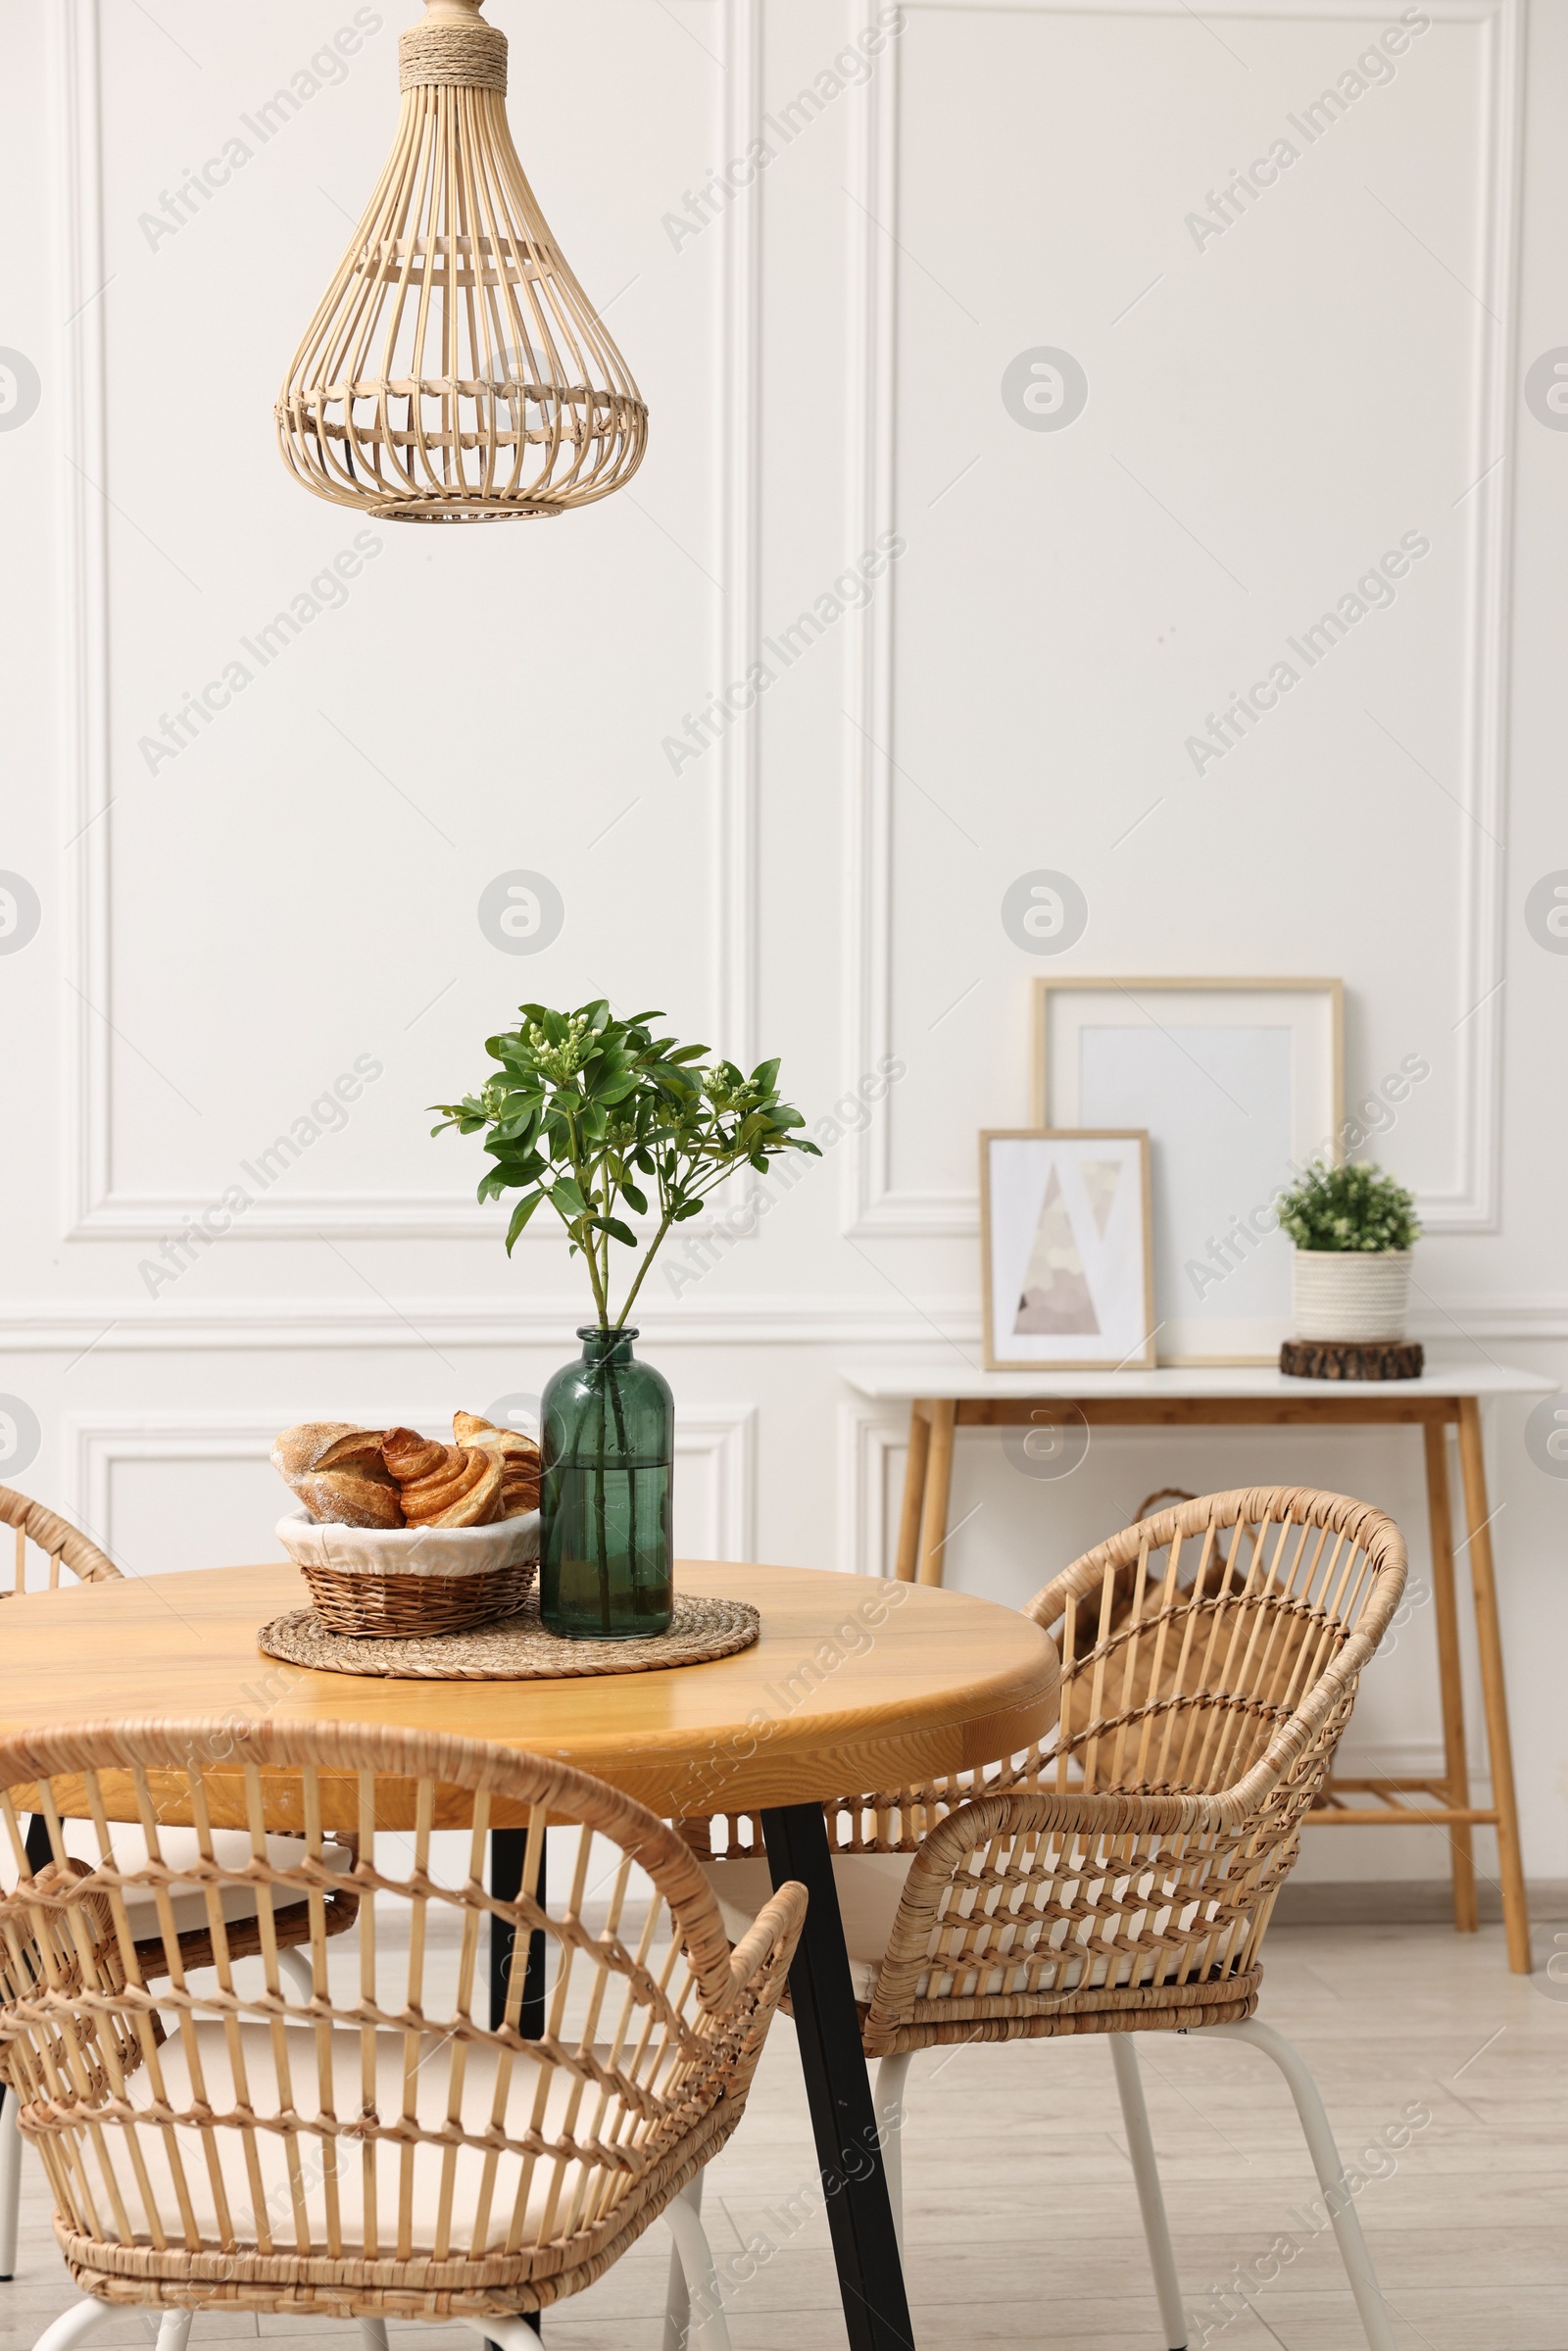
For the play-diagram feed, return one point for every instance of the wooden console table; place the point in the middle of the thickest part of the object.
(942, 1400)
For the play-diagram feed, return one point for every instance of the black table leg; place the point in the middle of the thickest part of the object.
(876, 2310)
(509, 1849)
(509, 1852)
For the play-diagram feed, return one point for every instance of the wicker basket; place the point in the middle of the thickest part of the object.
(413, 1580)
(1352, 1293)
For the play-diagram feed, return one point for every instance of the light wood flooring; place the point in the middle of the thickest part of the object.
(1022, 2224)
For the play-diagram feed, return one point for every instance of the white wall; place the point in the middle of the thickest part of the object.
(1267, 411)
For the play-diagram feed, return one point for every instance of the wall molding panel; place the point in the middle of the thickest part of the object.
(920, 1330)
(876, 1202)
(93, 1207)
(726, 1435)
(723, 1436)
(96, 1444)
(868, 1440)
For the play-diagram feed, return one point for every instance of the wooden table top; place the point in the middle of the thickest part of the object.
(855, 1684)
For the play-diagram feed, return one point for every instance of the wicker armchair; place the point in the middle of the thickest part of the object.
(1120, 1878)
(60, 1543)
(64, 1546)
(373, 2151)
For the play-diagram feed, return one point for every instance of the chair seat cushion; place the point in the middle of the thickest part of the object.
(181, 1849)
(868, 1885)
(282, 2189)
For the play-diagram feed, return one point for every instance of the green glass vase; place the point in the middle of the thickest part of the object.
(606, 1431)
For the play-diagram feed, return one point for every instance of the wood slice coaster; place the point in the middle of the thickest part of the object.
(514, 1648)
(1352, 1359)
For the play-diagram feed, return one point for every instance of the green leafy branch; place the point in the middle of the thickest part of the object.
(597, 1115)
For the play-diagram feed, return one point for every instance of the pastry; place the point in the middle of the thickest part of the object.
(469, 1429)
(299, 1449)
(343, 1498)
(520, 1458)
(481, 1506)
(355, 1477)
(409, 1455)
(463, 1491)
(356, 1449)
(336, 1470)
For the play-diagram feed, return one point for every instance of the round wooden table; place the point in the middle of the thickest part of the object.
(853, 1686)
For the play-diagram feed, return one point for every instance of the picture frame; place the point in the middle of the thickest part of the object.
(1240, 1084)
(1067, 1250)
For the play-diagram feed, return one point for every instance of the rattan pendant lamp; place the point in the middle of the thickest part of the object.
(455, 370)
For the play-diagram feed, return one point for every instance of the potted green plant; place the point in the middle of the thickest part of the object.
(607, 1121)
(1353, 1228)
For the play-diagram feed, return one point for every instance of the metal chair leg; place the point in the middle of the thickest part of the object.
(678, 2299)
(372, 2334)
(708, 2328)
(10, 2185)
(1375, 2320)
(82, 2320)
(891, 2075)
(512, 2334)
(1150, 2195)
(174, 2329)
(296, 1971)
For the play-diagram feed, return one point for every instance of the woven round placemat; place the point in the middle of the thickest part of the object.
(515, 1649)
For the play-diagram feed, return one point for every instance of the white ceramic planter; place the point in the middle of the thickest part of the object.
(1352, 1293)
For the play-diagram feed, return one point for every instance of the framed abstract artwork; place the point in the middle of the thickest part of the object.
(1065, 1243)
(1239, 1085)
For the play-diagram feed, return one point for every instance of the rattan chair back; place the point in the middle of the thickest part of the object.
(380, 2149)
(1187, 1641)
(1122, 1873)
(1124, 1876)
(62, 1544)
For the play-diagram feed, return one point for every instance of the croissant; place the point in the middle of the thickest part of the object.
(518, 1456)
(409, 1455)
(468, 1429)
(481, 1506)
(463, 1490)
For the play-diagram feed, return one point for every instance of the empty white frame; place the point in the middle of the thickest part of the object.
(1239, 1085)
(1065, 1249)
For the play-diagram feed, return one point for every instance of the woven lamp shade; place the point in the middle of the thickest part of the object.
(455, 370)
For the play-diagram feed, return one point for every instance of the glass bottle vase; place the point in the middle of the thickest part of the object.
(606, 1431)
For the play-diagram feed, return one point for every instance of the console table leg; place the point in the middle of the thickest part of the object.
(1440, 1518)
(913, 1491)
(938, 1486)
(1489, 1640)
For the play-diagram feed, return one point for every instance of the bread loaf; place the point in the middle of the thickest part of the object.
(358, 1449)
(337, 1472)
(299, 1449)
(341, 1498)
